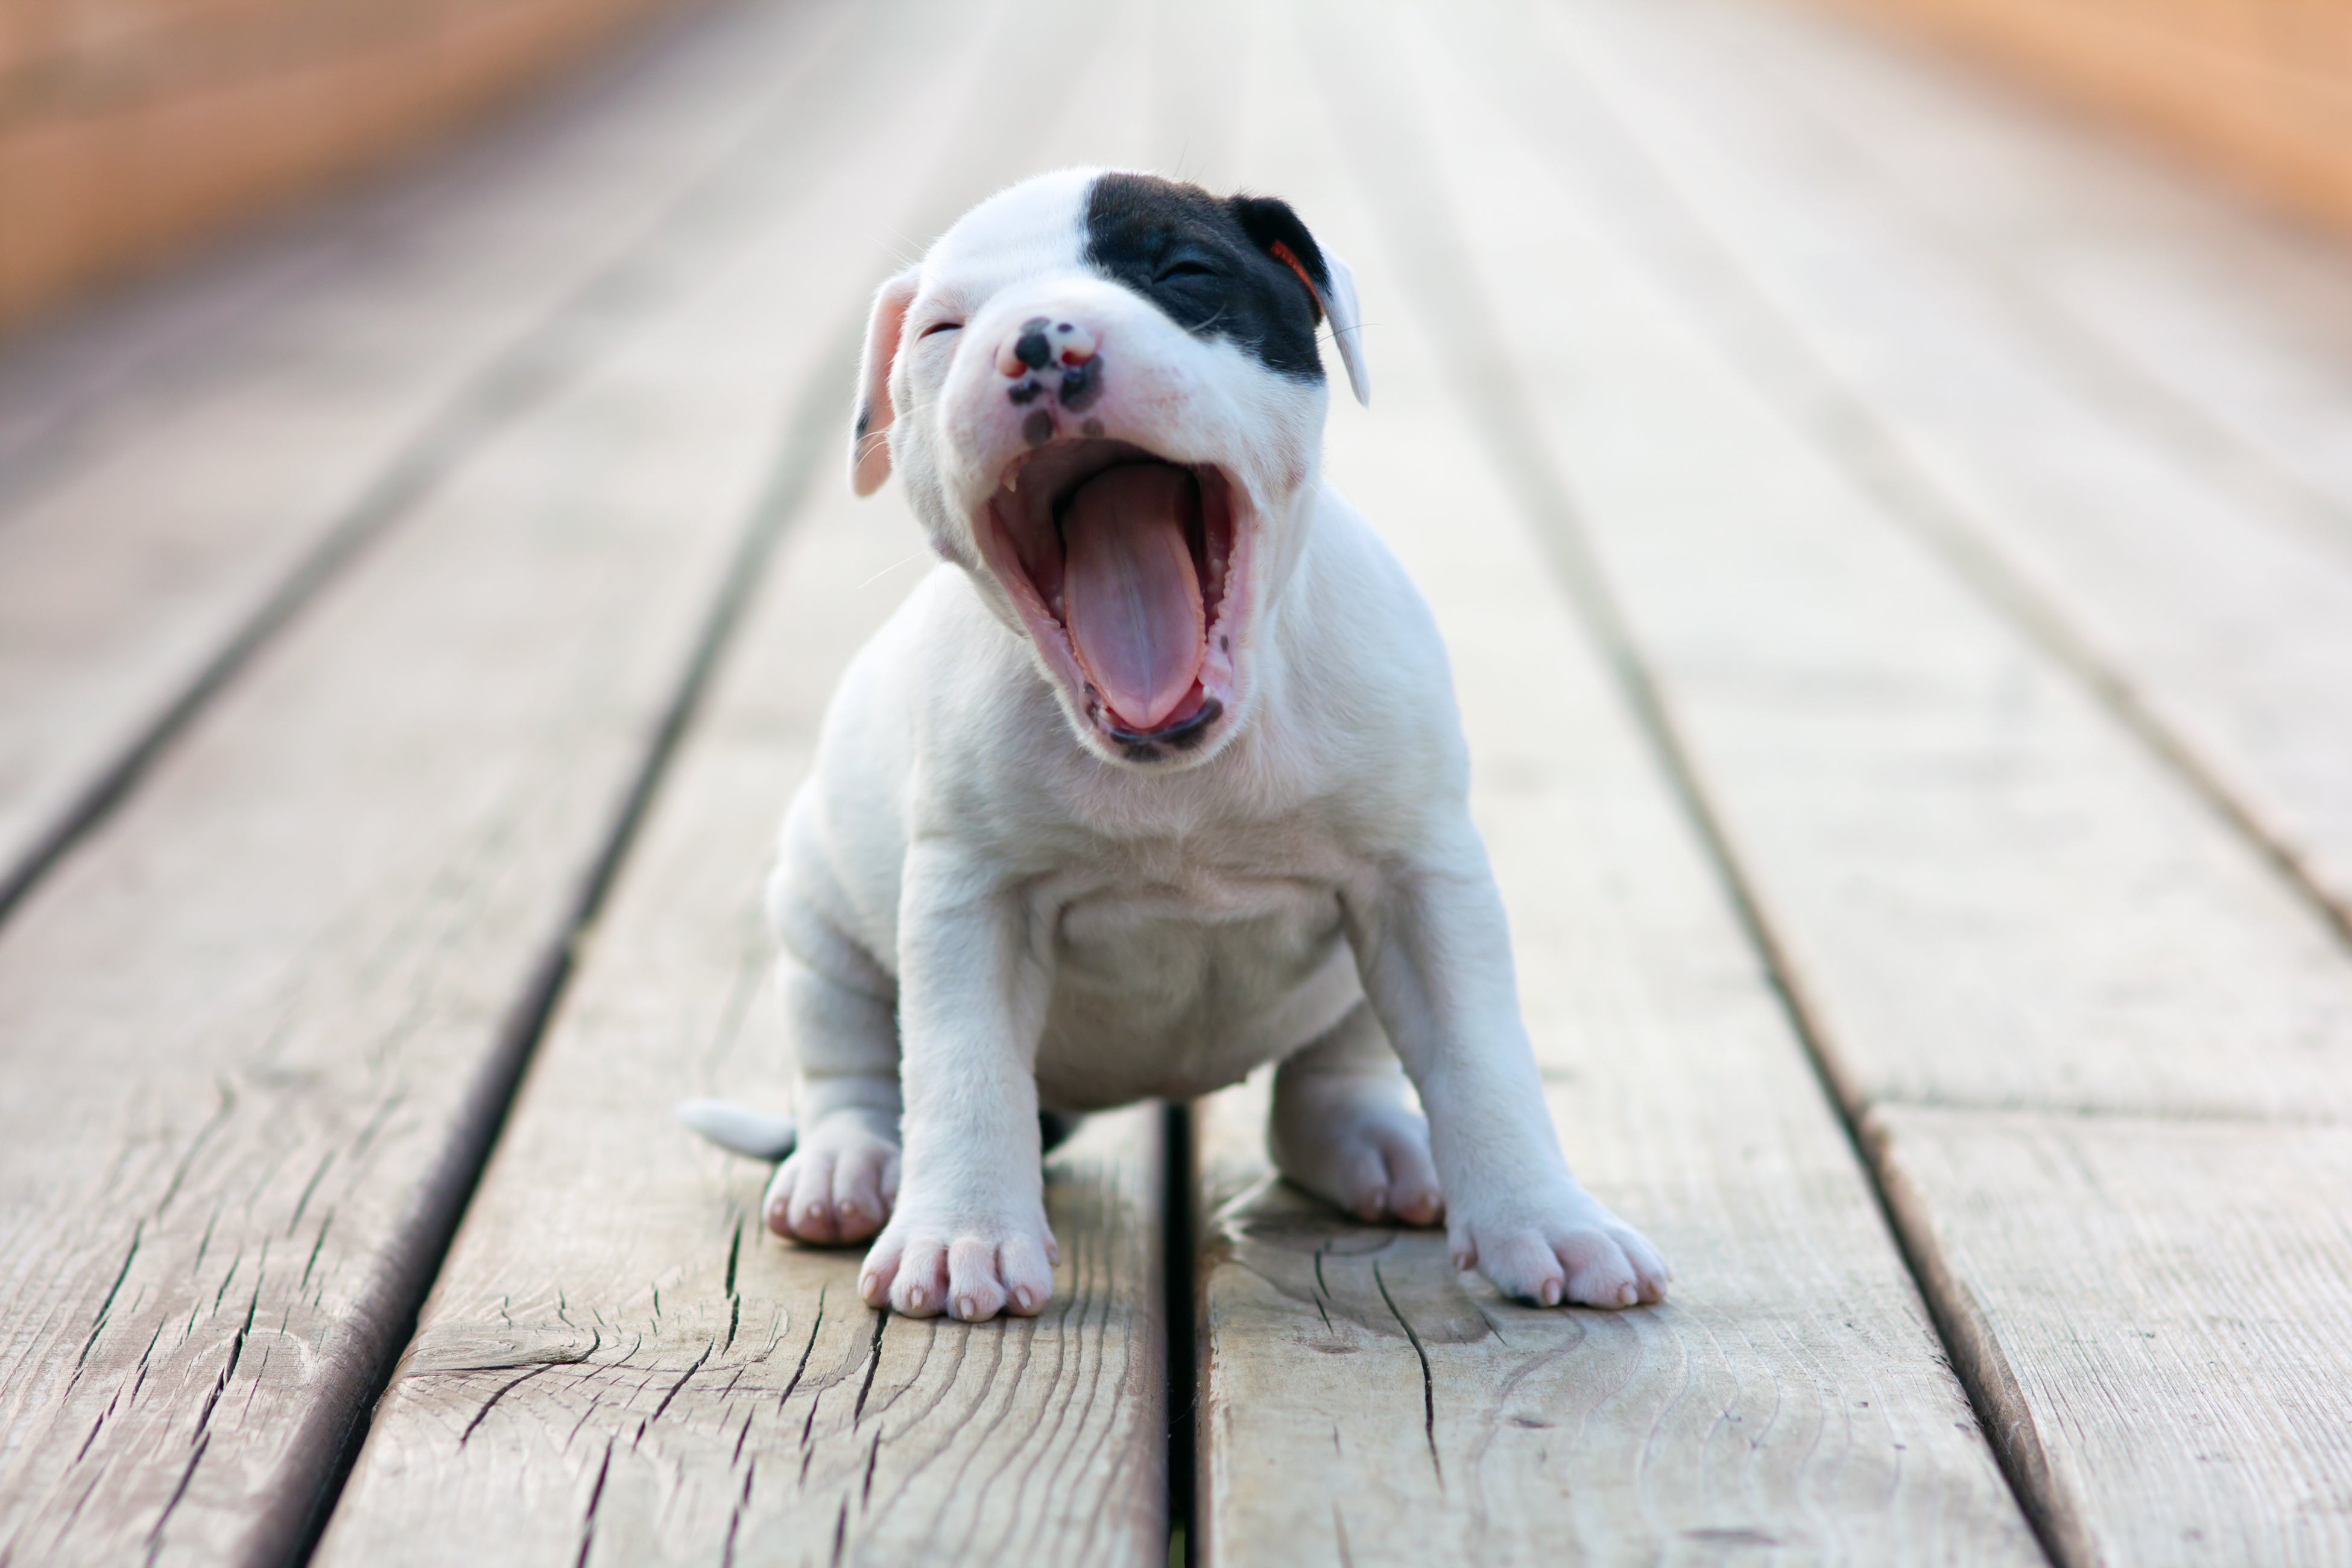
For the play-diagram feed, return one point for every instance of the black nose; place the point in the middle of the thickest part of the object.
(1032, 349)
(1043, 340)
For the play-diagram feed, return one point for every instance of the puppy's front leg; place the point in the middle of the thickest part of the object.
(1433, 947)
(975, 971)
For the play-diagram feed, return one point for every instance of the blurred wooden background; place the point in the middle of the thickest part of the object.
(2259, 91)
(130, 127)
(1896, 556)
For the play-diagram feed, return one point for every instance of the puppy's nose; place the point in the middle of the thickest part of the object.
(1042, 340)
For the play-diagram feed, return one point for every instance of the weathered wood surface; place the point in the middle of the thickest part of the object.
(1993, 891)
(2259, 90)
(1985, 892)
(618, 1365)
(2168, 1318)
(1363, 1401)
(2150, 530)
(634, 129)
(215, 494)
(2235, 334)
(618, 1357)
(129, 129)
(262, 1024)
(259, 1030)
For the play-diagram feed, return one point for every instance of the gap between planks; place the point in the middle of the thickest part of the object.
(257, 1485)
(1657, 195)
(2121, 1478)
(1791, 1395)
(667, 1432)
(555, 350)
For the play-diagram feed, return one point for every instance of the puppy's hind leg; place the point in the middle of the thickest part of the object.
(841, 1009)
(1345, 1129)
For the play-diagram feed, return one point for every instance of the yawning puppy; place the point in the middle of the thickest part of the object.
(1159, 778)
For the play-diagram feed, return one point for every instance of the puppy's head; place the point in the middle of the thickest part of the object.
(1103, 393)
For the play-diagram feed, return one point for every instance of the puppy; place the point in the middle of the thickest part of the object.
(1155, 778)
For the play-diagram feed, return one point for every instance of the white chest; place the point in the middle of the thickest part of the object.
(1179, 978)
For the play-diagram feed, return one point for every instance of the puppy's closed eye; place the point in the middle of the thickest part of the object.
(937, 327)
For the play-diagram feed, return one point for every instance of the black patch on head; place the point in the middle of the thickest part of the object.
(1208, 262)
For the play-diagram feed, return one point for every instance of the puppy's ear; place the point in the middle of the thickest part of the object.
(1274, 228)
(869, 433)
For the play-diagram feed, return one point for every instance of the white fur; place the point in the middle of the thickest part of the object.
(984, 906)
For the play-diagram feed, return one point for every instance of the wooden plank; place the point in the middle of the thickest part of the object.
(129, 583)
(2170, 1314)
(2203, 584)
(124, 143)
(656, 1378)
(1363, 1403)
(443, 229)
(698, 1390)
(2256, 89)
(2239, 333)
(1977, 889)
(261, 1028)
(1362, 1400)
(1993, 892)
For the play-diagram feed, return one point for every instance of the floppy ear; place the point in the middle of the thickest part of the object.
(1347, 326)
(869, 444)
(1277, 231)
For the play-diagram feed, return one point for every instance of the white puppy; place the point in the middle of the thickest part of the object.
(1159, 778)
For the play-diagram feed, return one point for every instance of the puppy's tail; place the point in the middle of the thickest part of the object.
(740, 1129)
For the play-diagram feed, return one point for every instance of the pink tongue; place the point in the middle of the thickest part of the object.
(1129, 594)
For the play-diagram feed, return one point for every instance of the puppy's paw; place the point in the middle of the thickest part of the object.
(839, 1184)
(1353, 1141)
(1568, 1248)
(971, 1266)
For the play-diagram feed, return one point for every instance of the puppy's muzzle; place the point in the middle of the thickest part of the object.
(1052, 359)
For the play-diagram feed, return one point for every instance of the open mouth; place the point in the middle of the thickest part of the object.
(1123, 566)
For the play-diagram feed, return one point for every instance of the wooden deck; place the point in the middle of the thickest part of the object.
(1897, 549)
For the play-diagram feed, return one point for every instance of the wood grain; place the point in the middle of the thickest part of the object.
(1991, 891)
(2201, 582)
(134, 581)
(262, 1026)
(120, 141)
(2258, 91)
(1978, 886)
(615, 1342)
(2232, 335)
(2165, 1308)
(621, 1367)
(1362, 1401)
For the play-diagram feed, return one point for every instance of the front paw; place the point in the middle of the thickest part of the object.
(1566, 1247)
(840, 1183)
(1352, 1140)
(972, 1265)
